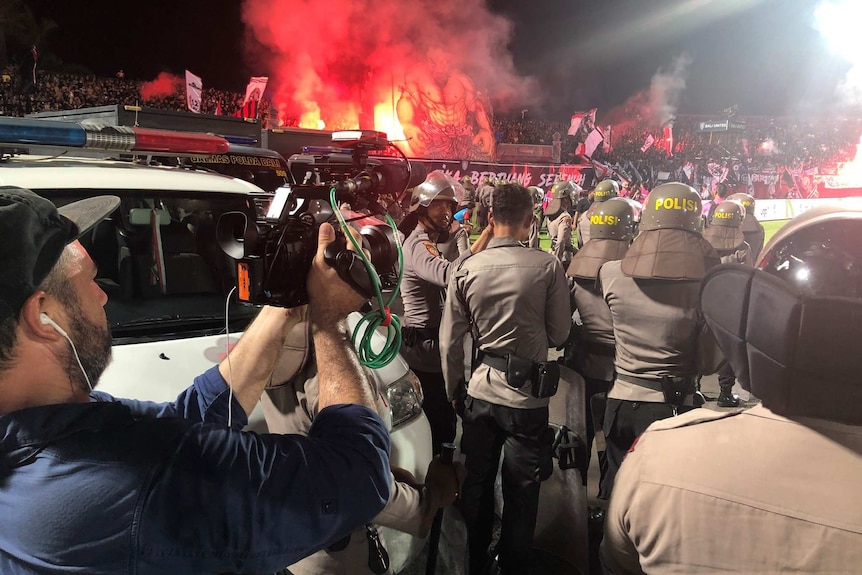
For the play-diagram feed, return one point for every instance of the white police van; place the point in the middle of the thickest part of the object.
(166, 278)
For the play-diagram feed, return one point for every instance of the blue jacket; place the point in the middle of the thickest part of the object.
(120, 486)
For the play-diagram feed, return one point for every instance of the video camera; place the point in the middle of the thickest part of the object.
(275, 252)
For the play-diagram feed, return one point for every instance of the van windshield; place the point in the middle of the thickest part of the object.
(160, 263)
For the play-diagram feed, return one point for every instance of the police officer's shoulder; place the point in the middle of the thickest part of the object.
(610, 270)
(693, 417)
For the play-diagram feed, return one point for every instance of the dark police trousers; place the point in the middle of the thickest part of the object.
(520, 434)
(437, 408)
(624, 421)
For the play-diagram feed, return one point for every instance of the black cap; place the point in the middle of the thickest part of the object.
(35, 233)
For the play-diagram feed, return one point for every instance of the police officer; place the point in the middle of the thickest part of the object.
(725, 235)
(751, 228)
(538, 198)
(558, 214)
(611, 231)
(515, 301)
(662, 344)
(695, 489)
(606, 190)
(290, 405)
(426, 275)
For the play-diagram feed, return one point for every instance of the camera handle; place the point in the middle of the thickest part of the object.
(349, 266)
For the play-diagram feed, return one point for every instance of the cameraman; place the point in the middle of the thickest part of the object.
(102, 485)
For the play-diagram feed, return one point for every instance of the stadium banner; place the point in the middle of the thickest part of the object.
(767, 210)
(194, 87)
(541, 175)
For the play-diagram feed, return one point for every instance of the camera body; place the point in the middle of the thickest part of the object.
(276, 249)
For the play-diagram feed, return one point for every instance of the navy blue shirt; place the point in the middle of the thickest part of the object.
(121, 486)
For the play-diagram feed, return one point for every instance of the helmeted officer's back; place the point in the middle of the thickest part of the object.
(774, 489)
(661, 341)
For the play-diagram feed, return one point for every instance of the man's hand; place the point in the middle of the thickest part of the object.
(443, 481)
(330, 298)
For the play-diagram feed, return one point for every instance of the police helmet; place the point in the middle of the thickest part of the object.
(674, 206)
(791, 335)
(606, 190)
(537, 193)
(437, 186)
(728, 214)
(612, 220)
(747, 200)
(564, 189)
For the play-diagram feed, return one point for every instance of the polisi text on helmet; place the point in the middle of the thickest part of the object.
(604, 219)
(682, 204)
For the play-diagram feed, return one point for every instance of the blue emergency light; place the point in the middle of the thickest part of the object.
(31, 132)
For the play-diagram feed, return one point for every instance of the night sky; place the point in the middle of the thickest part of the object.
(762, 55)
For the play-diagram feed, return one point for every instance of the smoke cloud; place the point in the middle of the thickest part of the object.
(164, 85)
(655, 106)
(337, 60)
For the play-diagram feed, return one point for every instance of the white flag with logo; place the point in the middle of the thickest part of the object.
(194, 87)
(255, 88)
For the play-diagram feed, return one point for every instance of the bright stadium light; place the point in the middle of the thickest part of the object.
(838, 23)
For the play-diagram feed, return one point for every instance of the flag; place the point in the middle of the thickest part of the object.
(218, 111)
(588, 119)
(194, 87)
(668, 136)
(650, 140)
(248, 110)
(606, 146)
(255, 89)
(592, 142)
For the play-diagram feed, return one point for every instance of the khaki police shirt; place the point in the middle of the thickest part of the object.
(658, 331)
(518, 299)
(584, 226)
(597, 327)
(426, 275)
(752, 493)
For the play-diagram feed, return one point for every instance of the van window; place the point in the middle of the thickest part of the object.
(160, 263)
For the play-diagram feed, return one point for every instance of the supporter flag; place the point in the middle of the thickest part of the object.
(194, 87)
(218, 111)
(668, 136)
(249, 110)
(254, 90)
(650, 140)
(588, 119)
(606, 146)
(593, 141)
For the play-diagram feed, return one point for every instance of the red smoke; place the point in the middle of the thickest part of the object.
(165, 84)
(347, 63)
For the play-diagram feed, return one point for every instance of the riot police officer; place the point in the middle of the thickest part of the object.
(558, 214)
(515, 301)
(593, 350)
(426, 275)
(662, 344)
(695, 489)
(538, 198)
(606, 190)
(725, 235)
(751, 228)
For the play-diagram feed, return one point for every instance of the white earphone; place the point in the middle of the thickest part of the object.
(43, 317)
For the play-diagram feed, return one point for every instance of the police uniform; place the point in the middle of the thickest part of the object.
(593, 348)
(289, 406)
(711, 492)
(774, 489)
(516, 302)
(560, 220)
(426, 275)
(751, 228)
(662, 343)
(457, 244)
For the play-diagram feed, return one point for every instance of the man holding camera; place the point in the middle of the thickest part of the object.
(515, 300)
(102, 485)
